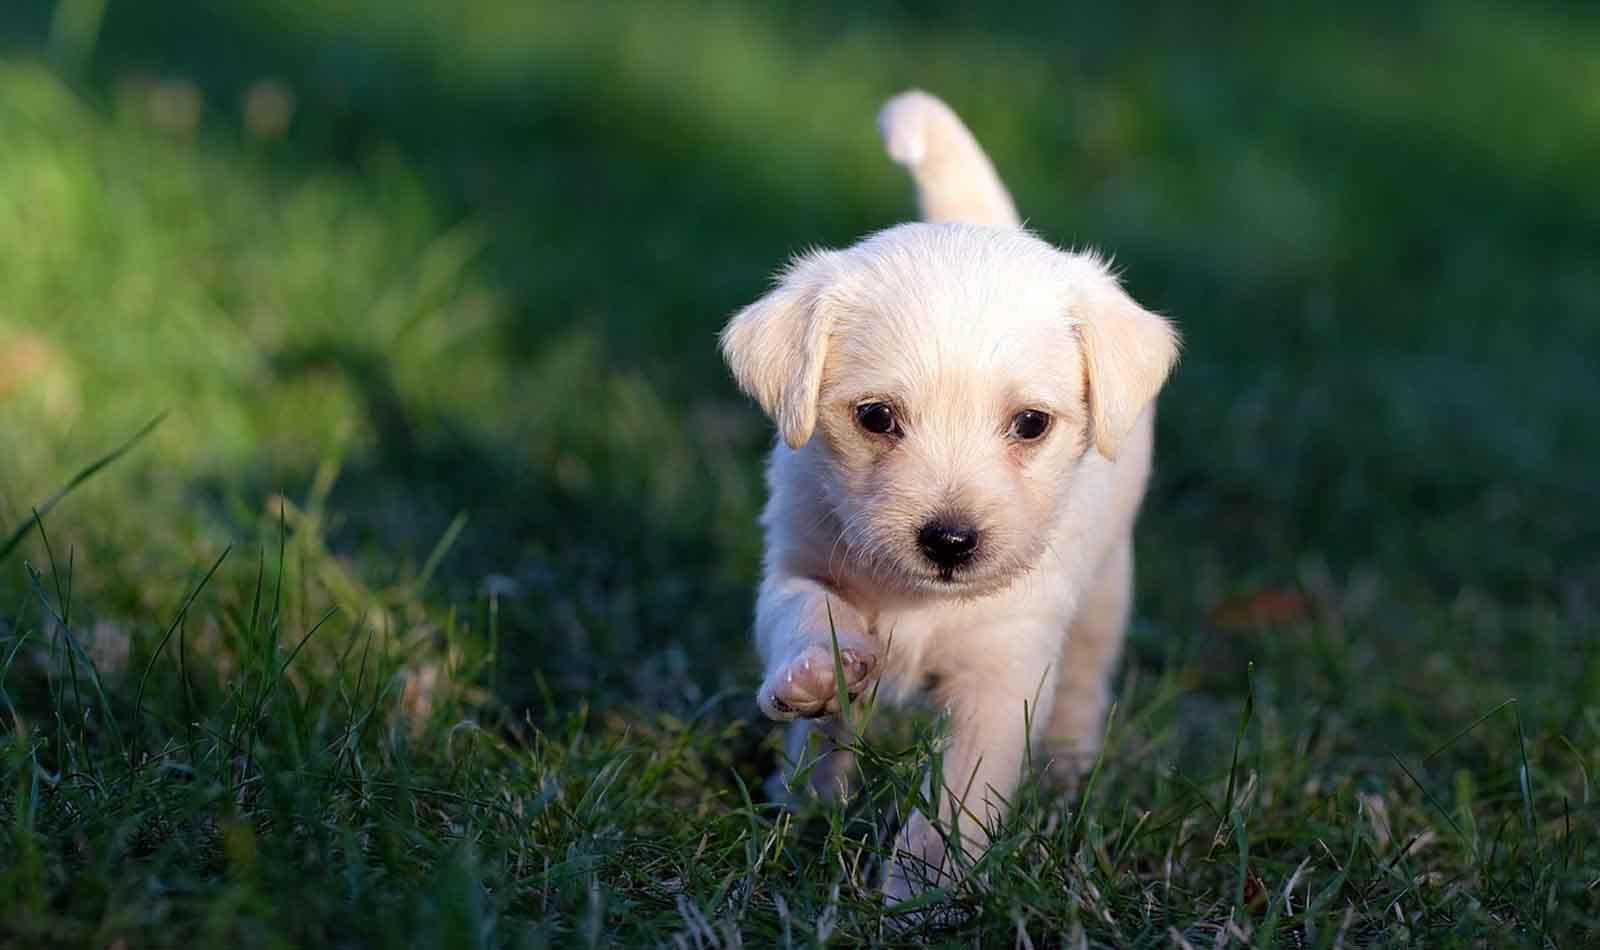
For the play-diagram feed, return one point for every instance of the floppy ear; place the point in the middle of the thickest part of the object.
(1127, 353)
(776, 346)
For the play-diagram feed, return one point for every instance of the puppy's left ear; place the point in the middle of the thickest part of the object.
(1128, 352)
(776, 346)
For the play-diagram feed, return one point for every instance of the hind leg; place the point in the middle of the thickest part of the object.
(1094, 645)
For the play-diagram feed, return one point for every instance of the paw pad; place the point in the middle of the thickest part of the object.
(803, 687)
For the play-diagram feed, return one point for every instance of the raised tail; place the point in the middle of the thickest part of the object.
(955, 179)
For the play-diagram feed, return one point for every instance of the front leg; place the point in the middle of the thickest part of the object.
(797, 620)
(998, 708)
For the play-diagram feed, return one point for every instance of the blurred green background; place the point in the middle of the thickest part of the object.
(387, 264)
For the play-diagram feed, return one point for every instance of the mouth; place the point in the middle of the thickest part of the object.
(956, 576)
(958, 585)
(969, 579)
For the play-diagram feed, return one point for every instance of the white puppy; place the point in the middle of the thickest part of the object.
(966, 416)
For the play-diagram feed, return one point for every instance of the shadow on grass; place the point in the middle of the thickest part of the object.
(597, 598)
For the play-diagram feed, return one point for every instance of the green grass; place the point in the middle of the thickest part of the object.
(421, 618)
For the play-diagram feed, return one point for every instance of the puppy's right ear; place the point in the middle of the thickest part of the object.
(776, 346)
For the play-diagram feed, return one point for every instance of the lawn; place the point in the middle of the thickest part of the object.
(420, 615)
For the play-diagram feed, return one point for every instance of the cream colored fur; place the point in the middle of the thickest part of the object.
(958, 324)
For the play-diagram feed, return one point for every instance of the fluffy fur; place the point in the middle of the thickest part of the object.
(955, 325)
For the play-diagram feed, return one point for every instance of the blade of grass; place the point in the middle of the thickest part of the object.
(183, 610)
(838, 673)
(1080, 819)
(88, 472)
(73, 648)
(5, 671)
(1471, 845)
(1473, 725)
(272, 685)
(1578, 756)
(1242, 839)
(1245, 715)
(446, 542)
(1524, 782)
(64, 613)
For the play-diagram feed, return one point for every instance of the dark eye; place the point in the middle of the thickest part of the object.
(1029, 424)
(877, 417)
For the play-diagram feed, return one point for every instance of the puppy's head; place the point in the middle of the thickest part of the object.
(948, 379)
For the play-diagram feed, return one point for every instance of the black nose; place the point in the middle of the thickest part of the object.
(947, 543)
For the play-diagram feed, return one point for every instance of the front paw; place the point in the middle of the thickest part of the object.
(804, 687)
